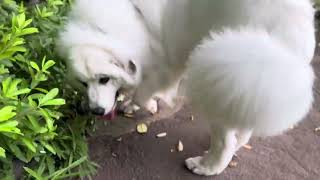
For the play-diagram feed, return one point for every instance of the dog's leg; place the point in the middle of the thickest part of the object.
(152, 105)
(223, 147)
(243, 137)
(169, 95)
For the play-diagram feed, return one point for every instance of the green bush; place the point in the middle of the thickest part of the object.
(36, 127)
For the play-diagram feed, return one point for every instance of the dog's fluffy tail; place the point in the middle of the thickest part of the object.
(247, 79)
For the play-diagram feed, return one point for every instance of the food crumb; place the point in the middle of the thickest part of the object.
(247, 146)
(180, 146)
(233, 164)
(161, 135)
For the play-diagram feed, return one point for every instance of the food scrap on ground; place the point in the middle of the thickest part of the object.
(180, 146)
(136, 108)
(128, 115)
(142, 128)
(233, 164)
(247, 146)
(160, 135)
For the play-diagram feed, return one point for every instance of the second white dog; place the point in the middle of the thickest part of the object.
(247, 62)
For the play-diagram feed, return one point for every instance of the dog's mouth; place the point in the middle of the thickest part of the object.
(113, 113)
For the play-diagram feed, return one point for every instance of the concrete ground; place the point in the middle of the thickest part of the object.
(123, 154)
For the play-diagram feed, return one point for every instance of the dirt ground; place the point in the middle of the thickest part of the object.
(294, 155)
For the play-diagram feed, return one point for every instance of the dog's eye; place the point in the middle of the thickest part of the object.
(104, 80)
(84, 84)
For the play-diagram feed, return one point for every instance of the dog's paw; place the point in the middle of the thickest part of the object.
(128, 107)
(152, 106)
(196, 166)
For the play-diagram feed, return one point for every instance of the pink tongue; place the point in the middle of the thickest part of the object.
(109, 116)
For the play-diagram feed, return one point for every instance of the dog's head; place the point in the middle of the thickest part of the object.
(103, 74)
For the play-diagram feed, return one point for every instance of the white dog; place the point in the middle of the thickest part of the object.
(246, 62)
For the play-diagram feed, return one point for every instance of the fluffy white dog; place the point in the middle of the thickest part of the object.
(247, 62)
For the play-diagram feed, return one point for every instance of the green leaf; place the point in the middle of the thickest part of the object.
(21, 91)
(36, 126)
(7, 113)
(17, 49)
(27, 23)
(50, 165)
(10, 89)
(3, 70)
(56, 3)
(51, 94)
(28, 31)
(13, 87)
(21, 19)
(31, 102)
(61, 171)
(17, 152)
(18, 41)
(33, 173)
(40, 77)
(48, 119)
(42, 90)
(34, 65)
(54, 102)
(10, 127)
(48, 147)
(48, 64)
(5, 85)
(30, 144)
(2, 152)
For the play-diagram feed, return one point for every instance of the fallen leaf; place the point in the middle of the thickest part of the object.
(161, 135)
(142, 128)
(247, 146)
(180, 146)
(233, 164)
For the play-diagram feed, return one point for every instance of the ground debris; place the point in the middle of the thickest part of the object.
(128, 115)
(142, 128)
(136, 108)
(247, 146)
(114, 155)
(180, 146)
(160, 135)
(233, 164)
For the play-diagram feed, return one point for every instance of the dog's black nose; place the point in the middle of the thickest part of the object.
(98, 111)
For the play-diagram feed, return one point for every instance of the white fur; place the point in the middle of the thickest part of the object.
(246, 61)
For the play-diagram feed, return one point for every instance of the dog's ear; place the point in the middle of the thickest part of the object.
(132, 67)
